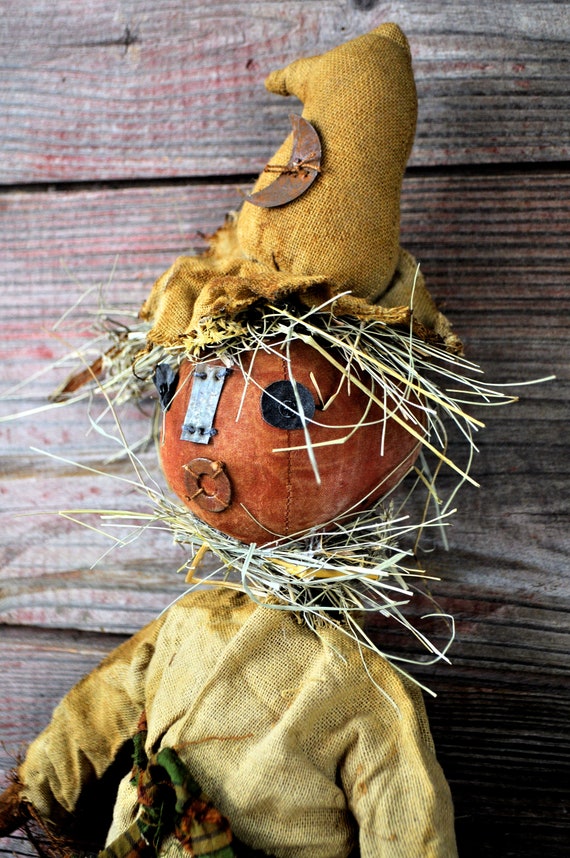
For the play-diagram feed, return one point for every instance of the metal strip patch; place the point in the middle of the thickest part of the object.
(207, 387)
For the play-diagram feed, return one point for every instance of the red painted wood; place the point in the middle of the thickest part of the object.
(111, 90)
(493, 250)
(164, 91)
(484, 268)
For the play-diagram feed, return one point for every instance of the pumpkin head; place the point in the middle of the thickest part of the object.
(234, 442)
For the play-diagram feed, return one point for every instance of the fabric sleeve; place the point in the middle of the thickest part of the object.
(394, 784)
(87, 729)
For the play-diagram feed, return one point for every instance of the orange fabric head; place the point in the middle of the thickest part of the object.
(254, 480)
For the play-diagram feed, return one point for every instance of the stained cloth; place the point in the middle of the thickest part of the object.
(338, 239)
(308, 751)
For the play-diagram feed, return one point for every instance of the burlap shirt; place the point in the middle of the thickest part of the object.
(306, 754)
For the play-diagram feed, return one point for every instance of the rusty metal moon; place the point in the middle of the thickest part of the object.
(298, 174)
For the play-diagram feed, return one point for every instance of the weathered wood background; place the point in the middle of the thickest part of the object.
(127, 130)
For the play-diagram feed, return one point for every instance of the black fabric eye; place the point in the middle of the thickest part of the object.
(166, 381)
(279, 405)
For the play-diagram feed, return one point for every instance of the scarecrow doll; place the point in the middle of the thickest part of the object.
(301, 369)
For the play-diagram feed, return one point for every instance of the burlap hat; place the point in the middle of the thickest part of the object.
(340, 237)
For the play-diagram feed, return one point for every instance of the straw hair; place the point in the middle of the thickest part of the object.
(355, 564)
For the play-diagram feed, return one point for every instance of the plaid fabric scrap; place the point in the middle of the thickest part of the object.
(170, 802)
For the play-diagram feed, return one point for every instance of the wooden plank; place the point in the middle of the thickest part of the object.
(494, 250)
(133, 90)
(138, 92)
(503, 746)
(503, 280)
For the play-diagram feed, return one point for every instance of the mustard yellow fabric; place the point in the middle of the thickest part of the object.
(342, 235)
(195, 300)
(306, 754)
(361, 99)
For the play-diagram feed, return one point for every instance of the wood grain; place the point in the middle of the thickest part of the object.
(483, 268)
(135, 89)
(127, 131)
(501, 275)
(490, 246)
